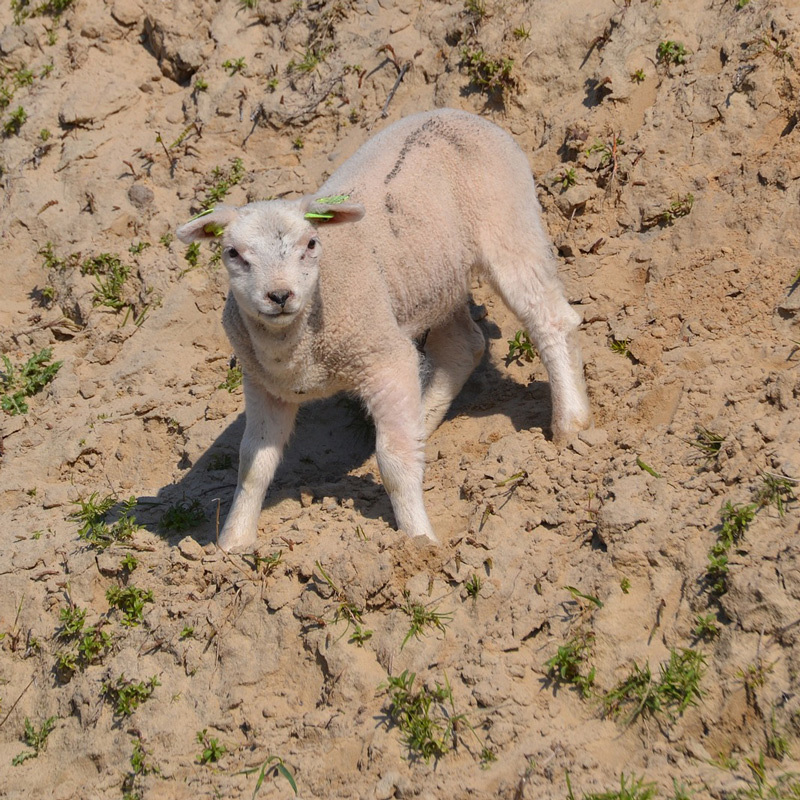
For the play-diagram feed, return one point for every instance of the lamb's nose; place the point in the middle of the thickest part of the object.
(279, 297)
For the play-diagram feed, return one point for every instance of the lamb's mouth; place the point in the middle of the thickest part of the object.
(281, 316)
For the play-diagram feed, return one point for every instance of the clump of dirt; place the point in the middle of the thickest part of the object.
(624, 609)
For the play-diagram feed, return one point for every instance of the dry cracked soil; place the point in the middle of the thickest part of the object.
(616, 618)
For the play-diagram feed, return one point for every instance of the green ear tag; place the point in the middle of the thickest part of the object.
(212, 229)
(203, 214)
(333, 200)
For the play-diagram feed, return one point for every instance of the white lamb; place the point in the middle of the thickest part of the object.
(317, 307)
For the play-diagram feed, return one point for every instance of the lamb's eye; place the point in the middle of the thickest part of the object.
(312, 243)
(232, 252)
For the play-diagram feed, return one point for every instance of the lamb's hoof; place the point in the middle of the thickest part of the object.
(237, 543)
(564, 434)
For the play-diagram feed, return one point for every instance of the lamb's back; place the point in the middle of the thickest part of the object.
(435, 185)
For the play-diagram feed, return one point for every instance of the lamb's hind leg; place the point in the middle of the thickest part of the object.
(534, 293)
(393, 396)
(454, 350)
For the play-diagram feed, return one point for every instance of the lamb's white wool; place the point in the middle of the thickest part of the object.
(317, 307)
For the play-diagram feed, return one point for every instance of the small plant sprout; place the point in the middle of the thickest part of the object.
(522, 32)
(670, 52)
(298, 143)
(520, 348)
(264, 565)
(212, 749)
(643, 465)
(476, 8)
(273, 767)
(35, 738)
(182, 516)
(775, 490)
(233, 380)
(221, 182)
(567, 665)
(777, 743)
(620, 346)
(578, 596)
(568, 177)
(17, 383)
(491, 75)
(192, 255)
(23, 77)
(346, 610)
(422, 617)
(473, 586)
(754, 676)
(625, 585)
(84, 645)
(707, 442)
(630, 788)
(126, 696)
(72, 619)
(234, 65)
(428, 728)
(717, 572)
(735, 520)
(312, 58)
(680, 791)
(129, 563)
(140, 765)
(138, 248)
(15, 121)
(200, 85)
(110, 274)
(681, 207)
(785, 786)
(638, 76)
(130, 601)
(95, 530)
(706, 626)
(677, 687)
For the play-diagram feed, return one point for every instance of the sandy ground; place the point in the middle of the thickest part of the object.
(670, 180)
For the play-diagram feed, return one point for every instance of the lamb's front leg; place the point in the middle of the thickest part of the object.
(394, 399)
(269, 423)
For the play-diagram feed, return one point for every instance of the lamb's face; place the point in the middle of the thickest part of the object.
(272, 256)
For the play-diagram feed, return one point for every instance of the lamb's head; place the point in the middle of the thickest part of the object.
(272, 250)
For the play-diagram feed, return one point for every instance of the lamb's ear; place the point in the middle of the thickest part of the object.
(331, 208)
(207, 224)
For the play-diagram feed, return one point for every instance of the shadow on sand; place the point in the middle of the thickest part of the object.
(332, 437)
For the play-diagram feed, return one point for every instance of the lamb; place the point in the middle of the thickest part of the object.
(319, 304)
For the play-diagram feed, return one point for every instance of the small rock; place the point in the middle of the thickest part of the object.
(140, 196)
(126, 12)
(190, 549)
(86, 105)
(386, 786)
(87, 389)
(108, 564)
(593, 436)
(580, 447)
(574, 197)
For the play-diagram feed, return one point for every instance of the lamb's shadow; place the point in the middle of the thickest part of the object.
(332, 438)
